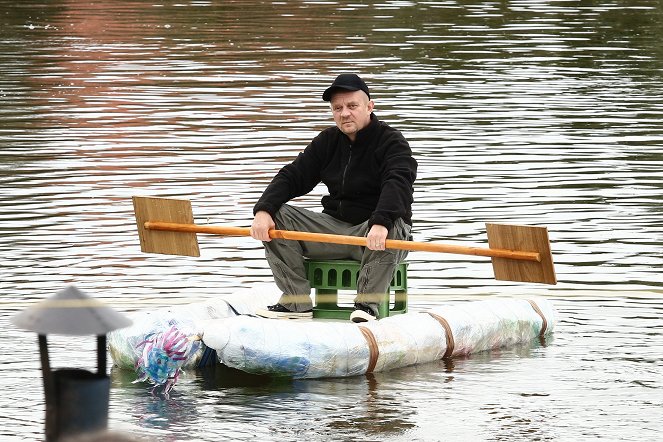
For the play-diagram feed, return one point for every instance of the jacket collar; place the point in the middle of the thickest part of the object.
(366, 132)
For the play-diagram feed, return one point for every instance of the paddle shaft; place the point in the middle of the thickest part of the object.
(348, 240)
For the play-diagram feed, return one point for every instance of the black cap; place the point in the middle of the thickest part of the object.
(348, 82)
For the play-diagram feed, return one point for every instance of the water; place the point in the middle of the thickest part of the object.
(525, 112)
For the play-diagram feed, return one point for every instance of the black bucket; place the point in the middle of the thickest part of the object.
(81, 401)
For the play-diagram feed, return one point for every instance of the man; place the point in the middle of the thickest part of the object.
(369, 172)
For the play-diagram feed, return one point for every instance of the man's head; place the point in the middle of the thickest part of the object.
(351, 103)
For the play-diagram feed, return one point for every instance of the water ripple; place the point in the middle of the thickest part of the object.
(531, 112)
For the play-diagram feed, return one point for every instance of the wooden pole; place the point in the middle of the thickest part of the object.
(343, 239)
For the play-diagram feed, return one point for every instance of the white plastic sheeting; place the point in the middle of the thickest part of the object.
(300, 349)
(124, 344)
(316, 349)
(323, 348)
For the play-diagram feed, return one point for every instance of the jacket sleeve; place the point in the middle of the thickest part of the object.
(295, 179)
(399, 171)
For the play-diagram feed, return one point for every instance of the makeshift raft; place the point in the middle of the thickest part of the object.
(319, 348)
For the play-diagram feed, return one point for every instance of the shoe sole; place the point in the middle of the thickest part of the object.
(361, 316)
(284, 315)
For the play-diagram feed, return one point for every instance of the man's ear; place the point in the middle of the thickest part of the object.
(371, 105)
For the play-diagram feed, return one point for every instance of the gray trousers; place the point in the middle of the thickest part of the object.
(286, 257)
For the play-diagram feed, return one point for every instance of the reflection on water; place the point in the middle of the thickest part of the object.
(524, 112)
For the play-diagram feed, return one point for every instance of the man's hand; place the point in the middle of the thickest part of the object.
(376, 237)
(262, 224)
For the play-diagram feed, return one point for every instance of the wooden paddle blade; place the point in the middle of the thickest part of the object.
(166, 210)
(524, 239)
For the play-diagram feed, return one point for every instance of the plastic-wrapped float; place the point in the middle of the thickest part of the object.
(318, 349)
(311, 349)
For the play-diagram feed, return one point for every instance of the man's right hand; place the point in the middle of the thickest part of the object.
(262, 224)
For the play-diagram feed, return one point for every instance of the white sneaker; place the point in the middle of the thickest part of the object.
(277, 311)
(363, 313)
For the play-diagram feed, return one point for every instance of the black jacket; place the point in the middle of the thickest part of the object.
(371, 179)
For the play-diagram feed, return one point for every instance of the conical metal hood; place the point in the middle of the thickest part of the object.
(70, 312)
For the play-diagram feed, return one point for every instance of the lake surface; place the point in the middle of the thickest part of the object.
(527, 112)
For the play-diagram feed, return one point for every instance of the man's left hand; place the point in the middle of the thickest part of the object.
(376, 238)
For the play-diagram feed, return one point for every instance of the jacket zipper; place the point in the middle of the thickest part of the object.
(345, 170)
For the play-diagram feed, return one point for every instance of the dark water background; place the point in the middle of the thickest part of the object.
(526, 112)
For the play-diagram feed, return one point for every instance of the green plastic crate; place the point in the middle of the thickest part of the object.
(328, 277)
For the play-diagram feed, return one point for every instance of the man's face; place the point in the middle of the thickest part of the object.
(352, 111)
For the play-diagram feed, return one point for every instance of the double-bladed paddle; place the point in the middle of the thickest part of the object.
(519, 253)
